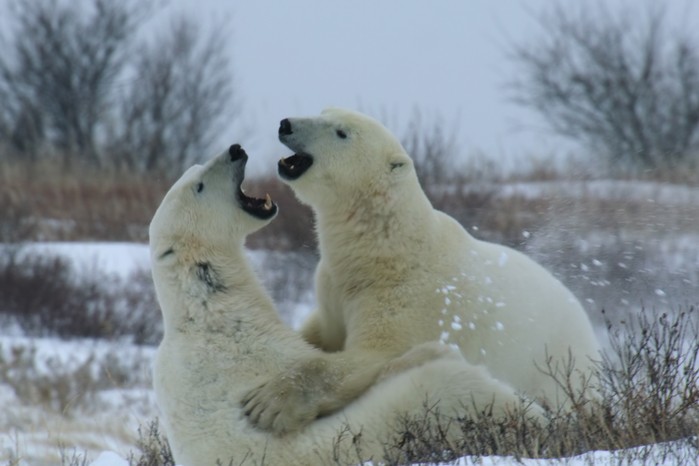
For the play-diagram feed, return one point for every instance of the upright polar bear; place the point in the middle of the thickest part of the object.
(223, 337)
(394, 273)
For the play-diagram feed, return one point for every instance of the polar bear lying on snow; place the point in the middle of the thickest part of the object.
(395, 273)
(223, 337)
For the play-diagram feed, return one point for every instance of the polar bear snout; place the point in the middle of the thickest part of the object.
(294, 133)
(236, 153)
(292, 167)
(285, 127)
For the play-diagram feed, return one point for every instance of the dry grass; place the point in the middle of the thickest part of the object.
(68, 385)
(498, 211)
(153, 448)
(51, 202)
(63, 407)
(646, 392)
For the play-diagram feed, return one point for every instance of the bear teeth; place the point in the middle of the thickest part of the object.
(285, 162)
(268, 202)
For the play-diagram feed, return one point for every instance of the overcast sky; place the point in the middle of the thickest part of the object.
(386, 58)
(447, 58)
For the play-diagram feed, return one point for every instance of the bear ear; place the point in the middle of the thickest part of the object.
(399, 165)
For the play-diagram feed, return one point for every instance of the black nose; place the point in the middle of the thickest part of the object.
(236, 152)
(285, 127)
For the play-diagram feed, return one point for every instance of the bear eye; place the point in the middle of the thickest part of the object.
(341, 134)
(200, 187)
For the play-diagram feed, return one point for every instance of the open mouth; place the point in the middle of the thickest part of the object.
(292, 167)
(263, 209)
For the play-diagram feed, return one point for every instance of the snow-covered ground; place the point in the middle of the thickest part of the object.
(102, 390)
(655, 455)
(120, 259)
(631, 190)
(104, 428)
(64, 396)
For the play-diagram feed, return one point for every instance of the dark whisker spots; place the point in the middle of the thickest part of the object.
(208, 275)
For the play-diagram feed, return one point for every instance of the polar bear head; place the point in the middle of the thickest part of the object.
(206, 210)
(340, 154)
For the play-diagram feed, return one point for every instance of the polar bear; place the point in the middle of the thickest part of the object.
(223, 337)
(394, 273)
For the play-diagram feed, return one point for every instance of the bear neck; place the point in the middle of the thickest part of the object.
(377, 221)
(213, 291)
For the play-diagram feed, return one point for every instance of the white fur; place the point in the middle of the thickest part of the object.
(223, 338)
(395, 272)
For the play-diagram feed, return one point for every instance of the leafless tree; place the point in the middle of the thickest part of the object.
(432, 147)
(182, 94)
(622, 83)
(83, 81)
(57, 69)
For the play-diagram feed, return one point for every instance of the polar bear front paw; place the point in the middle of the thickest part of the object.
(279, 406)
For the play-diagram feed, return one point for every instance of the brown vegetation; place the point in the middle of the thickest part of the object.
(646, 392)
(48, 202)
(44, 296)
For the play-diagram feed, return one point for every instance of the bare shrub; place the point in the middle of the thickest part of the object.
(44, 296)
(470, 207)
(66, 385)
(73, 458)
(153, 447)
(40, 294)
(418, 436)
(141, 317)
(80, 84)
(56, 78)
(433, 150)
(17, 223)
(650, 380)
(289, 277)
(182, 100)
(622, 83)
(466, 190)
(645, 391)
